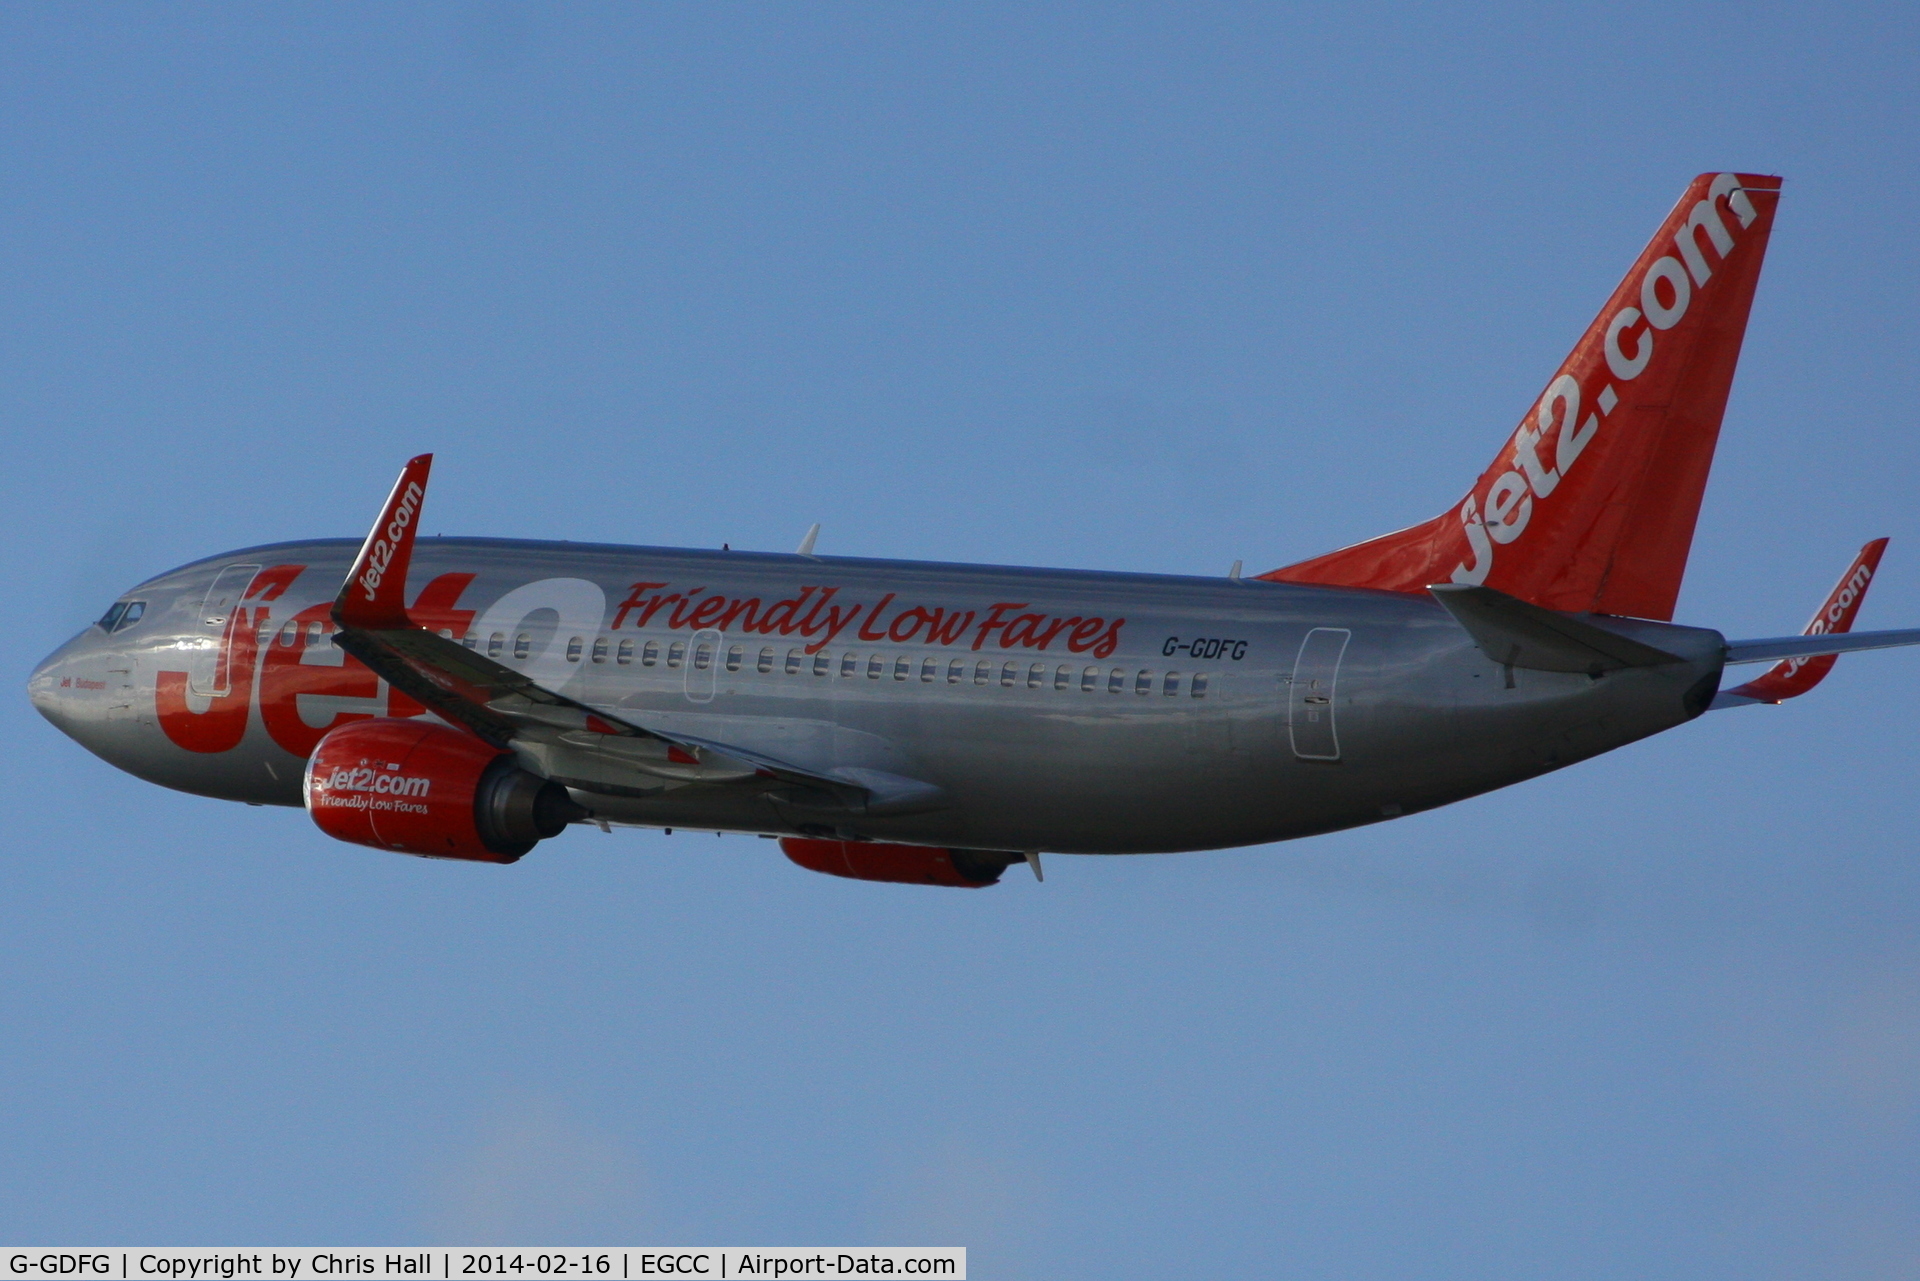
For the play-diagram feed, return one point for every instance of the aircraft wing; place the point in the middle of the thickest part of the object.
(582, 745)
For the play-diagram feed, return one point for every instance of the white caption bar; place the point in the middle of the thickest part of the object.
(685, 1263)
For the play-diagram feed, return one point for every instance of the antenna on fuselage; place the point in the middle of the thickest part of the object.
(1033, 861)
(806, 544)
(1234, 573)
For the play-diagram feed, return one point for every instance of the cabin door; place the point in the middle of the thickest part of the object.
(208, 660)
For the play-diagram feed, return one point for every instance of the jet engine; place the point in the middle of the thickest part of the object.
(415, 787)
(911, 864)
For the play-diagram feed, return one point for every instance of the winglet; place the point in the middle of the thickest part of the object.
(374, 595)
(1795, 676)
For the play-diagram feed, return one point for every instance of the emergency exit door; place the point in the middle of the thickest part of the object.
(1310, 705)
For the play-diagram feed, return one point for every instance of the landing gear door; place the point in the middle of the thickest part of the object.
(1310, 704)
(207, 673)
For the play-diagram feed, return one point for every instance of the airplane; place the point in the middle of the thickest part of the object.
(932, 723)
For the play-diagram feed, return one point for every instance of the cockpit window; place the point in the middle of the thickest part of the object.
(124, 614)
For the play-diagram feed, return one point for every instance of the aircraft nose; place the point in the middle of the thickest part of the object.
(50, 688)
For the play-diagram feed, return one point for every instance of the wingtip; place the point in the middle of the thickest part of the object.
(380, 571)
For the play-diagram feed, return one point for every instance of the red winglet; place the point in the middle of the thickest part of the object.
(374, 595)
(1793, 677)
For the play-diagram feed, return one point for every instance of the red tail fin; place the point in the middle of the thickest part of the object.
(1591, 505)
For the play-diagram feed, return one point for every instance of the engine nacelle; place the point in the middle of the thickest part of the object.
(419, 788)
(910, 864)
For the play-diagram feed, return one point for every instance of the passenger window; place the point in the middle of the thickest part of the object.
(522, 645)
(1198, 687)
(793, 661)
(902, 667)
(1143, 683)
(1009, 673)
(650, 654)
(1036, 676)
(956, 671)
(929, 668)
(1172, 685)
(822, 663)
(112, 616)
(1090, 680)
(574, 646)
(470, 641)
(766, 661)
(1117, 681)
(982, 672)
(495, 642)
(1062, 676)
(625, 654)
(734, 658)
(702, 656)
(849, 663)
(599, 649)
(676, 653)
(875, 665)
(291, 632)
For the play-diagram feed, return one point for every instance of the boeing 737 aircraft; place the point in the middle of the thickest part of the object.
(466, 698)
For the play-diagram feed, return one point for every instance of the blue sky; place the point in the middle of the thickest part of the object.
(1108, 286)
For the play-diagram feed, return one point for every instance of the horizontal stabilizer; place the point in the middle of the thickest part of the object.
(1761, 651)
(1514, 633)
(1806, 659)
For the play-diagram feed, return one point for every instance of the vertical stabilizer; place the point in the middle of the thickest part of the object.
(1591, 504)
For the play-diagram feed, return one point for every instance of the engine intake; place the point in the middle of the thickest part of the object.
(414, 787)
(909, 864)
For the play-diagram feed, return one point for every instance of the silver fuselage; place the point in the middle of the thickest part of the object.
(1063, 714)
